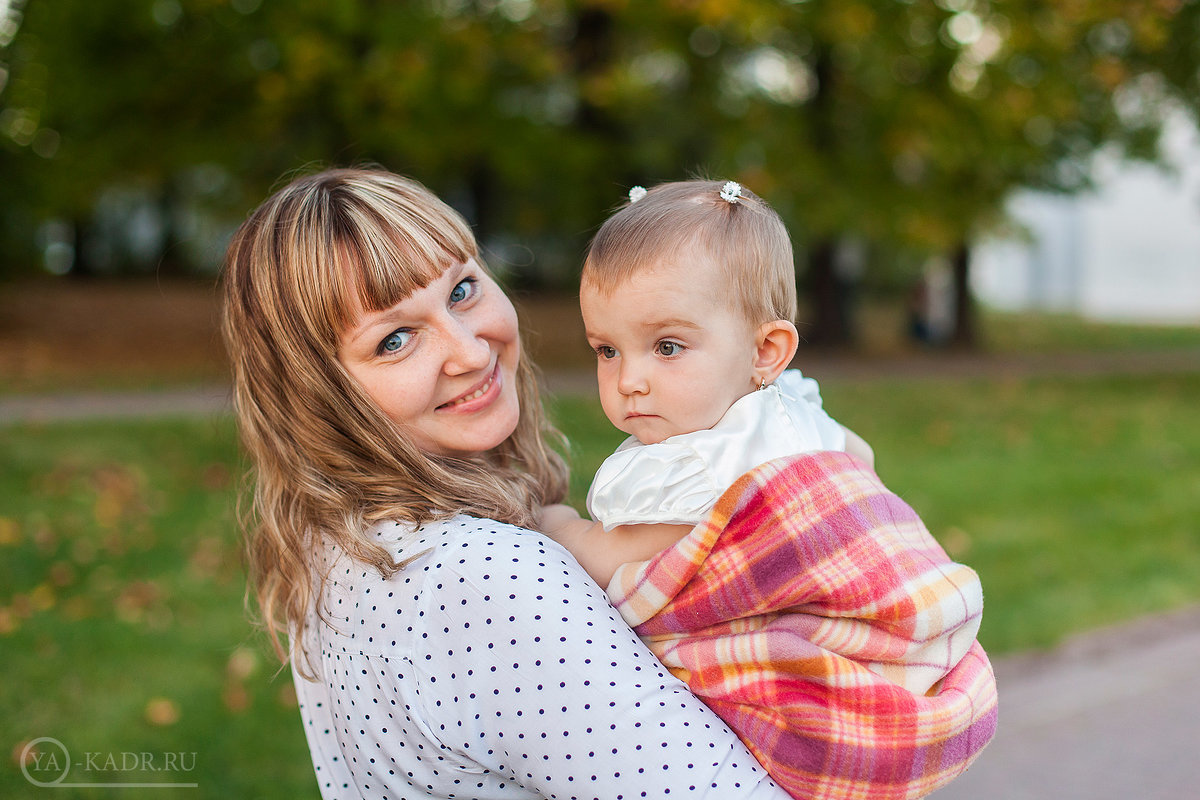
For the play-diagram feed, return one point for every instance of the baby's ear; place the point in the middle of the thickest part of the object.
(776, 345)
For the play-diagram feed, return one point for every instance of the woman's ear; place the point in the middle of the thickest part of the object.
(776, 345)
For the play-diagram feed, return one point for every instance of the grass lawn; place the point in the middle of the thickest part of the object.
(121, 620)
(1009, 332)
(121, 615)
(1077, 500)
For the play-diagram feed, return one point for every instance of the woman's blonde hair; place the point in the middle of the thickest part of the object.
(326, 462)
(746, 240)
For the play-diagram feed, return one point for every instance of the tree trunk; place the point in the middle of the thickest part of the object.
(829, 313)
(592, 53)
(481, 183)
(81, 264)
(965, 333)
(828, 299)
(172, 260)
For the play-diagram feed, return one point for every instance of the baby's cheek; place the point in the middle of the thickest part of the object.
(611, 410)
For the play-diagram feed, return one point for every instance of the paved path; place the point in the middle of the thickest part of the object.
(937, 364)
(189, 401)
(1111, 715)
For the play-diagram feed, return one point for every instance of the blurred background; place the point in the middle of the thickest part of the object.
(996, 213)
(894, 137)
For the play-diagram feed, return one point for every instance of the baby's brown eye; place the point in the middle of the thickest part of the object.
(668, 348)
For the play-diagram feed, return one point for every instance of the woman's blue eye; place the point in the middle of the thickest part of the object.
(462, 290)
(394, 341)
(669, 348)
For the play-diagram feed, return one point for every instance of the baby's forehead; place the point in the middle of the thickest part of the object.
(666, 296)
(682, 269)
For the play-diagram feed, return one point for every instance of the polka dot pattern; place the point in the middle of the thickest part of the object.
(491, 666)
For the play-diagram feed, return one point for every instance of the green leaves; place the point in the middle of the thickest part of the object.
(903, 122)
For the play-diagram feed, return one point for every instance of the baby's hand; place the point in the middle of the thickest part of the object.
(557, 516)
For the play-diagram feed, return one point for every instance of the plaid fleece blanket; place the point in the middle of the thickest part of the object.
(816, 615)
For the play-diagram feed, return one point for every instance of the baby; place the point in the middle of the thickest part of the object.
(688, 296)
(803, 602)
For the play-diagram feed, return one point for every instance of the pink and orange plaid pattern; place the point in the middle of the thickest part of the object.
(817, 616)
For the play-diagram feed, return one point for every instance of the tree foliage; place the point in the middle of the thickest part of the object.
(901, 123)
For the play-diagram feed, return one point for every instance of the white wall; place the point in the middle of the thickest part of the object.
(1130, 251)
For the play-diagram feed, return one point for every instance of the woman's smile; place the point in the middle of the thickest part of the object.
(482, 396)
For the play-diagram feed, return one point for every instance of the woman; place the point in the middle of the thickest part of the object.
(439, 647)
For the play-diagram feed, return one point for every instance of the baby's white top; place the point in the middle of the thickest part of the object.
(679, 479)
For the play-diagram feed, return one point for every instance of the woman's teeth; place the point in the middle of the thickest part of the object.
(472, 396)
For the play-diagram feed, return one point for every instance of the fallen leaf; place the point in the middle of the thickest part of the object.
(42, 597)
(161, 711)
(956, 541)
(287, 696)
(10, 532)
(22, 757)
(215, 477)
(235, 697)
(62, 573)
(241, 664)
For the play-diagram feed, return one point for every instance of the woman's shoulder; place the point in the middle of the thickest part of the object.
(443, 564)
(461, 539)
(460, 543)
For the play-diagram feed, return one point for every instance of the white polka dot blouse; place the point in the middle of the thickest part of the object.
(491, 666)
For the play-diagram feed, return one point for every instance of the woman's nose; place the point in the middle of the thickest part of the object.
(467, 349)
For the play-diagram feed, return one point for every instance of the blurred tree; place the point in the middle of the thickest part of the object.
(880, 127)
(905, 123)
(476, 99)
(135, 96)
(1035, 91)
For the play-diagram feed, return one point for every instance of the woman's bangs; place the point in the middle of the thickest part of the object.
(384, 271)
(392, 258)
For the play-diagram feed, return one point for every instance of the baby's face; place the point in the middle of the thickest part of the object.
(672, 352)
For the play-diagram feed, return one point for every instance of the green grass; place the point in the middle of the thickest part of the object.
(121, 620)
(1043, 332)
(121, 613)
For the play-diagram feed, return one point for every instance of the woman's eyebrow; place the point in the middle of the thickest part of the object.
(390, 316)
(372, 320)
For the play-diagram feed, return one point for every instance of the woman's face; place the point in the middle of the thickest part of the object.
(442, 363)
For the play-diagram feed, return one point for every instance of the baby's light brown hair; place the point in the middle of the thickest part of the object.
(746, 240)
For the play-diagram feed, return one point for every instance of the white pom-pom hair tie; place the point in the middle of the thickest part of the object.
(637, 193)
(731, 191)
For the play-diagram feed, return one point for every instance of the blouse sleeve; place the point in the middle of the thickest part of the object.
(656, 483)
(525, 669)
